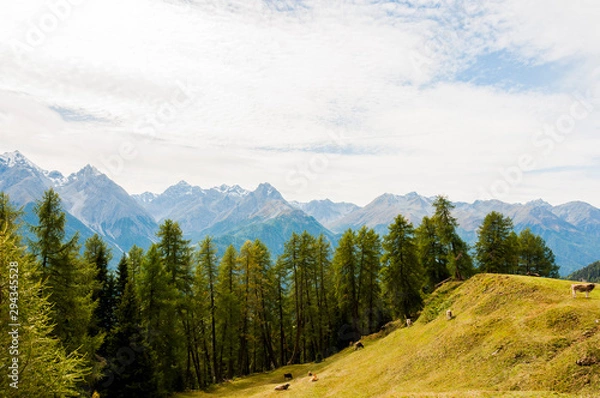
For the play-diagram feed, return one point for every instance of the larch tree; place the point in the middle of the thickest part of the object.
(345, 267)
(70, 280)
(43, 366)
(228, 310)
(402, 274)
(433, 254)
(458, 260)
(535, 256)
(131, 369)
(98, 254)
(496, 245)
(157, 307)
(208, 266)
(368, 254)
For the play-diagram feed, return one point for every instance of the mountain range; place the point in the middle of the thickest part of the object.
(96, 204)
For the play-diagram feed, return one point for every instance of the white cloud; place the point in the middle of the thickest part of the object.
(239, 92)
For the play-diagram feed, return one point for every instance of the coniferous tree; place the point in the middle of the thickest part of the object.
(496, 246)
(122, 278)
(135, 258)
(458, 260)
(176, 257)
(325, 295)
(264, 304)
(228, 310)
(207, 264)
(70, 280)
(402, 273)
(433, 255)
(292, 261)
(281, 300)
(44, 367)
(345, 266)
(131, 371)
(534, 256)
(157, 297)
(368, 253)
(98, 254)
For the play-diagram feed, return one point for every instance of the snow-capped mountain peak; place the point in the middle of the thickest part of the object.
(235, 190)
(16, 158)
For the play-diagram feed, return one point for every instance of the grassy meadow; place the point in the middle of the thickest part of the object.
(511, 336)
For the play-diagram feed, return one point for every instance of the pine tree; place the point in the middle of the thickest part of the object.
(44, 367)
(433, 254)
(135, 257)
(534, 256)
(207, 264)
(70, 280)
(458, 260)
(98, 254)
(368, 253)
(345, 266)
(228, 310)
(495, 247)
(176, 257)
(325, 295)
(122, 278)
(403, 276)
(131, 371)
(157, 299)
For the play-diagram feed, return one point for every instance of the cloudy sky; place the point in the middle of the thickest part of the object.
(323, 99)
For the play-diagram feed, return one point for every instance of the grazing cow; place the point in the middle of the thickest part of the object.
(449, 315)
(408, 322)
(287, 376)
(314, 378)
(530, 273)
(282, 387)
(582, 287)
(309, 374)
(358, 345)
(587, 361)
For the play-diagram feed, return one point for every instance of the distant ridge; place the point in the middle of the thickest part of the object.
(232, 214)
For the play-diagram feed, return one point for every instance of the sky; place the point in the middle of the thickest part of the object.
(346, 100)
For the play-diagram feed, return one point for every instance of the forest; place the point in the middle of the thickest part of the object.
(177, 317)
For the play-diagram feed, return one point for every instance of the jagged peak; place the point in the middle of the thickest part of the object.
(89, 169)
(538, 203)
(16, 158)
(231, 190)
(267, 190)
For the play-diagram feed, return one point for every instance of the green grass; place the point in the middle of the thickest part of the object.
(512, 336)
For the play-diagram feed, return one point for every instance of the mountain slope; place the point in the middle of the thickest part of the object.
(590, 273)
(106, 208)
(264, 214)
(511, 336)
(325, 211)
(22, 180)
(382, 210)
(571, 230)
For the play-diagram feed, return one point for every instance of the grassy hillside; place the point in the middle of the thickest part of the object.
(589, 273)
(512, 336)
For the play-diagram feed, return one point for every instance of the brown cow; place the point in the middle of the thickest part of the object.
(282, 387)
(582, 287)
(314, 378)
